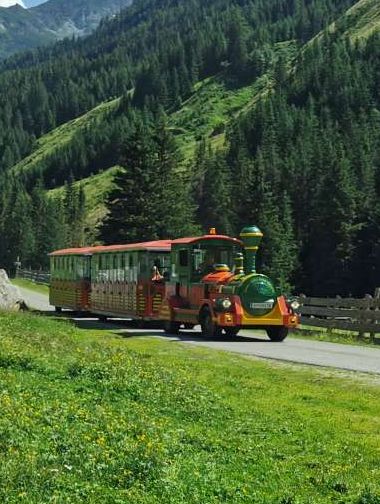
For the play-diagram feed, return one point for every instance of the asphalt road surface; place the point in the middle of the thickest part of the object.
(253, 343)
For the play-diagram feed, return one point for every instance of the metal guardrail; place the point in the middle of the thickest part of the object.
(350, 314)
(39, 277)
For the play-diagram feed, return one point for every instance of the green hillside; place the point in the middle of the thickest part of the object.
(60, 139)
(262, 111)
(363, 19)
(207, 112)
(215, 102)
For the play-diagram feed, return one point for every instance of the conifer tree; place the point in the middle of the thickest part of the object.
(174, 210)
(215, 206)
(130, 205)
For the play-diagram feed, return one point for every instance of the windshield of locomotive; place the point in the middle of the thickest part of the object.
(206, 258)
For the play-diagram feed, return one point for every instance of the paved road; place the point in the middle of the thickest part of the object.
(317, 353)
(36, 300)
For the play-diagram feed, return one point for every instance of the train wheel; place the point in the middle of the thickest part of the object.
(208, 326)
(58, 309)
(188, 326)
(102, 318)
(277, 333)
(231, 332)
(171, 327)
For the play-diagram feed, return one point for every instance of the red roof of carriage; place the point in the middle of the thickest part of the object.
(157, 246)
(154, 246)
(195, 239)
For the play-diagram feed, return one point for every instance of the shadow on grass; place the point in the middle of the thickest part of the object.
(127, 328)
(187, 336)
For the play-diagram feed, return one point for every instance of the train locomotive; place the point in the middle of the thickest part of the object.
(210, 280)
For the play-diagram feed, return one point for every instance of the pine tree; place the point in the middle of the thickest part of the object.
(237, 47)
(74, 211)
(215, 207)
(130, 205)
(174, 210)
(18, 227)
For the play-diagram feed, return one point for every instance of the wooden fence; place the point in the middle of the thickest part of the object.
(40, 277)
(356, 315)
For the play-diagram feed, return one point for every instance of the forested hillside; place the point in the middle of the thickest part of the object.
(254, 111)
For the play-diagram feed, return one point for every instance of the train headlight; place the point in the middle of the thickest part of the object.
(226, 304)
(223, 304)
(295, 305)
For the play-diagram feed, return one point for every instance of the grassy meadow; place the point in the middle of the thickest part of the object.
(92, 416)
(27, 284)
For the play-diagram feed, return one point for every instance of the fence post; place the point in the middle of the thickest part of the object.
(375, 296)
(362, 319)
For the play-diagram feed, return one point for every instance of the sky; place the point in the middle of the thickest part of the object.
(8, 3)
(24, 3)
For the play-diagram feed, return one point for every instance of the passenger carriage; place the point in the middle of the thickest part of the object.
(125, 282)
(115, 281)
(70, 279)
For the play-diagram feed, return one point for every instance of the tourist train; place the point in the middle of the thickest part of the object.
(210, 280)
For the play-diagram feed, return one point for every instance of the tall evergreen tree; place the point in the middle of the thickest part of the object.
(131, 204)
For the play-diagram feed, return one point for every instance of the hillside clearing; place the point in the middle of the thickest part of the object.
(48, 144)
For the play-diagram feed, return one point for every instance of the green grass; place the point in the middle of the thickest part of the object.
(90, 416)
(335, 336)
(215, 102)
(27, 284)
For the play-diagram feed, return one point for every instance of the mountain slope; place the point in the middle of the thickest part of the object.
(362, 20)
(274, 108)
(22, 29)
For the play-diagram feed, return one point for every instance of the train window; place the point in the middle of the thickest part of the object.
(114, 277)
(79, 268)
(120, 270)
(90, 268)
(100, 270)
(183, 258)
(106, 267)
(111, 268)
(143, 256)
